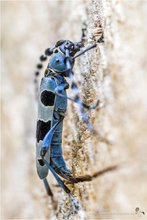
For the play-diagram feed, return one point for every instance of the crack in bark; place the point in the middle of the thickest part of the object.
(88, 178)
(96, 174)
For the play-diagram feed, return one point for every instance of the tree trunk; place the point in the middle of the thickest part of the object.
(111, 166)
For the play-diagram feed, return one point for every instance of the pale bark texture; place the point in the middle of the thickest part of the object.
(112, 166)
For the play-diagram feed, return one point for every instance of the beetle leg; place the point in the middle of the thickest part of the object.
(77, 100)
(56, 158)
(76, 92)
(59, 166)
(63, 186)
(48, 137)
(60, 182)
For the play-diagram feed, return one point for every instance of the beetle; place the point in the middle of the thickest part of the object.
(52, 105)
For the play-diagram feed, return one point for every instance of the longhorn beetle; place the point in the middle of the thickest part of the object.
(52, 104)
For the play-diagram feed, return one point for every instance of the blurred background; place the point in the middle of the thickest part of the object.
(114, 72)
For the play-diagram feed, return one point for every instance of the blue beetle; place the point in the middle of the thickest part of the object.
(52, 105)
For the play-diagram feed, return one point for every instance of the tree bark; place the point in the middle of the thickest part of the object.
(111, 167)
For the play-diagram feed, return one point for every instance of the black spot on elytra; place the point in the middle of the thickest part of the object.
(42, 129)
(41, 162)
(47, 98)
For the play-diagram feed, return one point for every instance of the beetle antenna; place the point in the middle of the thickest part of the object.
(82, 52)
(39, 66)
(83, 35)
(89, 107)
(36, 84)
(62, 185)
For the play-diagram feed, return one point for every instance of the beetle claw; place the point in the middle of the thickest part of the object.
(63, 171)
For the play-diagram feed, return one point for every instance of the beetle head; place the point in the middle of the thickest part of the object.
(67, 44)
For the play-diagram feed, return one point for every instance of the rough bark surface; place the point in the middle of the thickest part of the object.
(112, 166)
